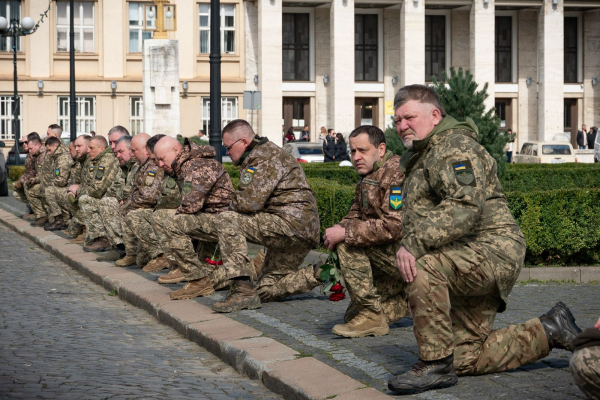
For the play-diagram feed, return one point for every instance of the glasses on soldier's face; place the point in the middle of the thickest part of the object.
(231, 145)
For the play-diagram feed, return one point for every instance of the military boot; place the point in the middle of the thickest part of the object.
(40, 222)
(29, 217)
(366, 323)
(99, 245)
(174, 276)
(79, 239)
(112, 255)
(425, 375)
(560, 328)
(157, 264)
(241, 296)
(200, 287)
(126, 261)
(56, 225)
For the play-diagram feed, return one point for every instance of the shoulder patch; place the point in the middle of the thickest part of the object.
(170, 184)
(151, 173)
(187, 188)
(57, 172)
(463, 171)
(247, 175)
(395, 197)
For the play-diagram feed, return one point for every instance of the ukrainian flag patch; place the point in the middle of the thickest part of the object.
(460, 167)
(57, 172)
(396, 197)
(251, 170)
(151, 173)
(463, 171)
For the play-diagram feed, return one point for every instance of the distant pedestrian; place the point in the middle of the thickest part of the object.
(305, 134)
(329, 146)
(591, 137)
(582, 137)
(341, 153)
(322, 134)
(202, 135)
(509, 146)
(93, 133)
(290, 136)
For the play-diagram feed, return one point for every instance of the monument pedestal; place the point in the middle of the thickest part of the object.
(160, 63)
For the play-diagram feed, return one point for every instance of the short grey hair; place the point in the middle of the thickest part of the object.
(121, 130)
(420, 93)
(124, 139)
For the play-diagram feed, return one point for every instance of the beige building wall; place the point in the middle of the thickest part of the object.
(527, 124)
(591, 70)
(461, 52)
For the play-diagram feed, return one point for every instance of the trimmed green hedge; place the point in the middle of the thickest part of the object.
(539, 179)
(14, 173)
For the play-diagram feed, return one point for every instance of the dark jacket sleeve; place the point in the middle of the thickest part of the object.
(328, 150)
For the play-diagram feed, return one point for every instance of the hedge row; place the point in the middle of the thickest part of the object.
(539, 179)
(14, 173)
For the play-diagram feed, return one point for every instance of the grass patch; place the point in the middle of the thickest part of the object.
(114, 292)
(303, 354)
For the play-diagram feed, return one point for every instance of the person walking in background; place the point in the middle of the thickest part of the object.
(290, 136)
(591, 137)
(582, 137)
(509, 146)
(329, 147)
(341, 148)
(322, 134)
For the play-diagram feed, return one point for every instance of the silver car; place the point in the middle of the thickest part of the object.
(305, 152)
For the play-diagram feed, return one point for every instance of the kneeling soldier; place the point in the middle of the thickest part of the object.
(367, 239)
(61, 165)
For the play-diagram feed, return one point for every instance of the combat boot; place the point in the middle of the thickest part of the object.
(112, 255)
(560, 328)
(40, 222)
(57, 225)
(241, 296)
(126, 261)
(99, 245)
(157, 264)
(29, 217)
(79, 239)
(425, 375)
(200, 287)
(174, 276)
(366, 323)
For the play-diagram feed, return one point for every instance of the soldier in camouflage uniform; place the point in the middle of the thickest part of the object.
(139, 206)
(30, 172)
(67, 200)
(367, 239)
(110, 207)
(34, 185)
(462, 252)
(61, 164)
(206, 190)
(99, 173)
(274, 207)
(585, 363)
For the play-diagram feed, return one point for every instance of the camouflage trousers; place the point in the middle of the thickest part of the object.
(175, 233)
(280, 276)
(585, 367)
(20, 195)
(56, 198)
(373, 280)
(138, 232)
(35, 198)
(454, 300)
(110, 213)
(90, 216)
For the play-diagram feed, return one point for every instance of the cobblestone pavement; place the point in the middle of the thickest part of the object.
(304, 323)
(63, 337)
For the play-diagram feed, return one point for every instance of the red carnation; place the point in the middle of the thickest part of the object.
(337, 288)
(336, 296)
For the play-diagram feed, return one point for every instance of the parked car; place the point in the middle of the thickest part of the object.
(12, 159)
(3, 173)
(224, 157)
(545, 153)
(597, 148)
(305, 152)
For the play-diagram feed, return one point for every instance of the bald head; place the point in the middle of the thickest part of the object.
(165, 151)
(138, 147)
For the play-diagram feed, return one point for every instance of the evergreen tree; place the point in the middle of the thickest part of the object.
(461, 99)
(393, 142)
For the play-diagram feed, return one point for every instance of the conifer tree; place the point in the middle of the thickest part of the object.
(461, 99)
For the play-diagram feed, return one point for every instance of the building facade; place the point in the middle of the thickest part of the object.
(322, 63)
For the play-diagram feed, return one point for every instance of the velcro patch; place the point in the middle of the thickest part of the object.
(151, 173)
(463, 171)
(57, 172)
(396, 197)
(187, 188)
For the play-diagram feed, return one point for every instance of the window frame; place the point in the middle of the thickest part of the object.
(6, 119)
(205, 112)
(311, 37)
(448, 41)
(297, 47)
(79, 29)
(223, 29)
(136, 122)
(514, 51)
(139, 28)
(579, 16)
(380, 42)
(80, 118)
(8, 39)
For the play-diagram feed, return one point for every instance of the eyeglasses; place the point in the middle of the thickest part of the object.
(231, 145)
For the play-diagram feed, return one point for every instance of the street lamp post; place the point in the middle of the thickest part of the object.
(215, 138)
(15, 31)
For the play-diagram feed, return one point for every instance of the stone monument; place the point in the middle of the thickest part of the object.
(160, 66)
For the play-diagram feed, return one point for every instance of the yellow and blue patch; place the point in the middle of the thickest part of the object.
(396, 198)
(57, 172)
(251, 170)
(151, 173)
(460, 167)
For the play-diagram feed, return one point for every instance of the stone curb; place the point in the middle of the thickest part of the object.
(281, 369)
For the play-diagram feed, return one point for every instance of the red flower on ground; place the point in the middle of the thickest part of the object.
(336, 296)
(213, 262)
(337, 288)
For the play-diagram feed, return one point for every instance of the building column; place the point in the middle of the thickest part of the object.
(341, 74)
(113, 52)
(551, 70)
(270, 74)
(412, 43)
(38, 66)
(482, 55)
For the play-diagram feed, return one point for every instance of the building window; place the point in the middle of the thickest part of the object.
(296, 46)
(10, 10)
(227, 28)
(83, 24)
(503, 49)
(435, 46)
(571, 45)
(229, 112)
(136, 115)
(136, 27)
(500, 107)
(86, 114)
(365, 47)
(6, 117)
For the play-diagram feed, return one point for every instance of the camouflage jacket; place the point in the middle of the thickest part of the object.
(99, 174)
(205, 185)
(272, 181)
(61, 166)
(29, 169)
(76, 175)
(146, 188)
(39, 159)
(375, 218)
(170, 195)
(452, 193)
(121, 186)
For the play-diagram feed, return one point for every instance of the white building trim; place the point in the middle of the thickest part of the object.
(288, 86)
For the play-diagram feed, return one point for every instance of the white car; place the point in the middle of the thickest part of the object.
(545, 153)
(305, 152)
